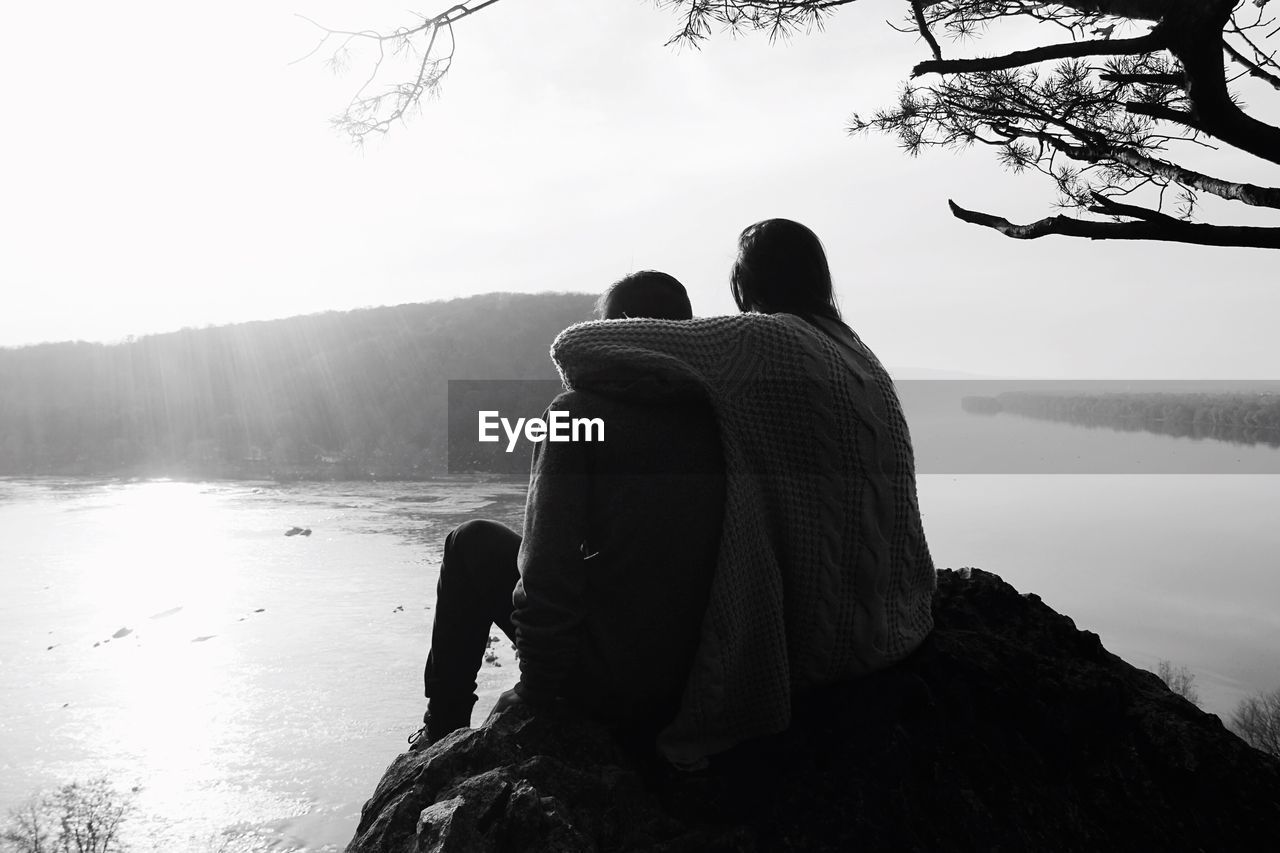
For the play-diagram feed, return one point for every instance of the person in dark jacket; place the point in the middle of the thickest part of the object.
(604, 592)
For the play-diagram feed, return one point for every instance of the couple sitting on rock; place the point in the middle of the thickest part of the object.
(749, 529)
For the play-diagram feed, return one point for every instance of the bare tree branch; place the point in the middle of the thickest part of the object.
(1173, 231)
(377, 113)
(922, 25)
(1253, 69)
(1111, 207)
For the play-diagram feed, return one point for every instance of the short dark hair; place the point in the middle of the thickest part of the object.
(647, 293)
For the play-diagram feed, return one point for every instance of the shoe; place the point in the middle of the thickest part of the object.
(421, 739)
(448, 718)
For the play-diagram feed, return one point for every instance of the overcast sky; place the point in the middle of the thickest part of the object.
(165, 166)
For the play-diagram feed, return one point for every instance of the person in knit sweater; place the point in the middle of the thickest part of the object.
(823, 572)
(605, 591)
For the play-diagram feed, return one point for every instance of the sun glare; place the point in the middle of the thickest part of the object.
(161, 584)
(162, 554)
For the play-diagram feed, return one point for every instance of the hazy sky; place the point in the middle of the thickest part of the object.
(164, 166)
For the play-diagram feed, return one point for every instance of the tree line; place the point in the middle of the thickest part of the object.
(1241, 418)
(341, 395)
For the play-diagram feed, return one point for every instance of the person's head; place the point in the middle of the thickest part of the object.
(781, 267)
(650, 294)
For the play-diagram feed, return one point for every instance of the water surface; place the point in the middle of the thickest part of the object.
(170, 636)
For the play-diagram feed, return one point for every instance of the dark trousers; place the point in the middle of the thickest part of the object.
(477, 576)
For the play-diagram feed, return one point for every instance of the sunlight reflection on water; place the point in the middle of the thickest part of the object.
(169, 636)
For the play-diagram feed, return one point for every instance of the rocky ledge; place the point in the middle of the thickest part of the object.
(1009, 730)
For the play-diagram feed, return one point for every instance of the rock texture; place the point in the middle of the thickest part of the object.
(1009, 730)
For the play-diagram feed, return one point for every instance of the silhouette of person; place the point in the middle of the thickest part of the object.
(604, 592)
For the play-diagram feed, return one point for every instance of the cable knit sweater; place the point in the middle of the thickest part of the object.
(823, 572)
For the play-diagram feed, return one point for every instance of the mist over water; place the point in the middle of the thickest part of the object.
(263, 681)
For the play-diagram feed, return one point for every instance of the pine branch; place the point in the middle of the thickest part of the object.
(1097, 151)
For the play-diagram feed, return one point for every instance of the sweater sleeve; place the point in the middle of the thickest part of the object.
(549, 599)
(704, 351)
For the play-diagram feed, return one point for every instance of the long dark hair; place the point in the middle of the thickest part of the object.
(782, 267)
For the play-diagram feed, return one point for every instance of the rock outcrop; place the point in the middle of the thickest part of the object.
(1009, 730)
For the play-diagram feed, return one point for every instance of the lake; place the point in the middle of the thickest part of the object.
(253, 686)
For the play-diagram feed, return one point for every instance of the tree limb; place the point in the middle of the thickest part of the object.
(1150, 43)
(1111, 207)
(1142, 10)
(922, 25)
(1144, 79)
(1251, 194)
(376, 113)
(1252, 67)
(1163, 113)
(1215, 113)
(1174, 230)
(1212, 112)
(1100, 152)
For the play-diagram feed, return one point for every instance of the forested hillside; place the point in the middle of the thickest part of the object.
(345, 395)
